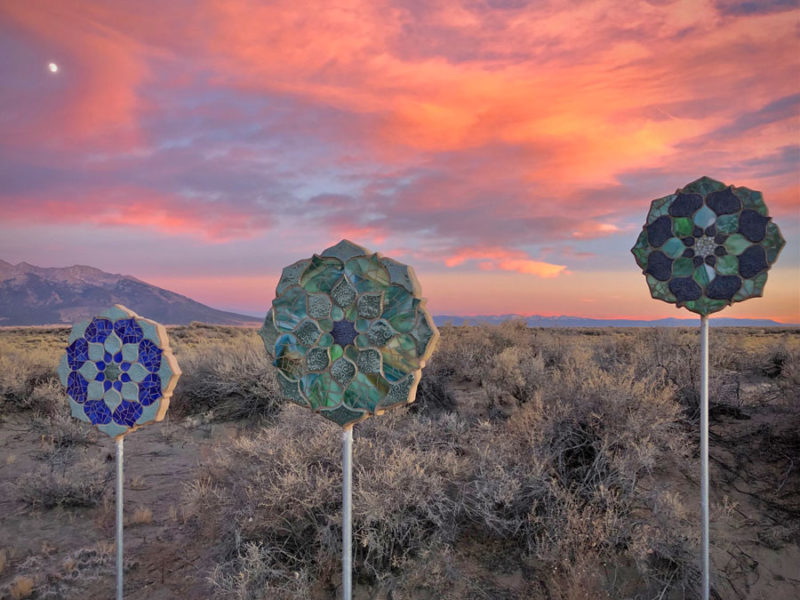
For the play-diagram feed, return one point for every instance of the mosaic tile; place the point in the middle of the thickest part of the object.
(700, 246)
(380, 332)
(268, 332)
(321, 274)
(317, 359)
(673, 248)
(752, 200)
(344, 416)
(149, 413)
(98, 330)
(112, 399)
(402, 275)
(96, 352)
(114, 366)
(370, 306)
(366, 392)
(130, 352)
(307, 333)
(77, 411)
(773, 242)
(343, 371)
(78, 332)
(369, 361)
(319, 306)
(367, 273)
(291, 274)
(291, 390)
(399, 392)
(347, 316)
(343, 293)
(704, 186)
(345, 250)
(728, 223)
(63, 370)
(659, 208)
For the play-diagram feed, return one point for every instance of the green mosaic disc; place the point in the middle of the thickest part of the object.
(707, 246)
(349, 333)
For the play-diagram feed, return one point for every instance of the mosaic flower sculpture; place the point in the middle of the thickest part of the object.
(707, 246)
(119, 371)
(349, 333)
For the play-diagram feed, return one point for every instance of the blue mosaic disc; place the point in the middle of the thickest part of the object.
(118, 371)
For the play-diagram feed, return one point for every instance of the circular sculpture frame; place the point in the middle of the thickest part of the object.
(707, 246)
(349, 333)
(119, 371)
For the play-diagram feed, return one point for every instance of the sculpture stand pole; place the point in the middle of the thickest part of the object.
(347, 513)
(704, 449)
(119, 517)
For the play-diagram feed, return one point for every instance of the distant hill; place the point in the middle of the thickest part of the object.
(31, 295)
(563, 321)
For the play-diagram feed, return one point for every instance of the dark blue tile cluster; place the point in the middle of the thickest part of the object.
(723, 287)
(76, 387)
(753, 226)
(150, 356)
(752, 261)
(98, 330)
(724, 202)
(77, 353)
(98, 412)
(344, 332)
(659, 265)
(685, 205)
(127, 413)
(150, 389)
(685, 288)
(659, 231)
(128, 331)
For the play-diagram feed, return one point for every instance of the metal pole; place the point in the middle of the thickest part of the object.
(119, 517)
(347, 513)
(704, 448)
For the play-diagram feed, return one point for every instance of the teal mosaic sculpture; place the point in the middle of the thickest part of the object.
(119, 371)
(349, 333)
(707, 246)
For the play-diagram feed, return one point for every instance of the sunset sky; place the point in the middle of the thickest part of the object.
(506, 149)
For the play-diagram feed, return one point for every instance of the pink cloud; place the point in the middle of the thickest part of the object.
(139, 208)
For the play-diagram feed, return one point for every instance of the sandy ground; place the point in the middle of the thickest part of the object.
(68, 553)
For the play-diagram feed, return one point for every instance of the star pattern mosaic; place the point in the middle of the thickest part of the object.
(119, 371)
(707, 246)
(349, 333)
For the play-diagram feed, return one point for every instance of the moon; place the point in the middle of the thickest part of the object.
(53, 67)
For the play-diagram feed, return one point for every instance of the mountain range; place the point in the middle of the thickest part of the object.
(31, 295)
(564, 321)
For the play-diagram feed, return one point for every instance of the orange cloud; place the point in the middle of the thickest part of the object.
(490, 259)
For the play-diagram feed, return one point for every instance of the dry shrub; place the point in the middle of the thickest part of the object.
(281, 489)
(80, 483)
(256, 573)
(230, 378)
(21, 587)
(28, 379)
(517, 371)
(564, 476)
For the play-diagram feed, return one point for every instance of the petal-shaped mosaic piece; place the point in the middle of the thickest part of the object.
(119, 371)
(707, 246)
(349, 333)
